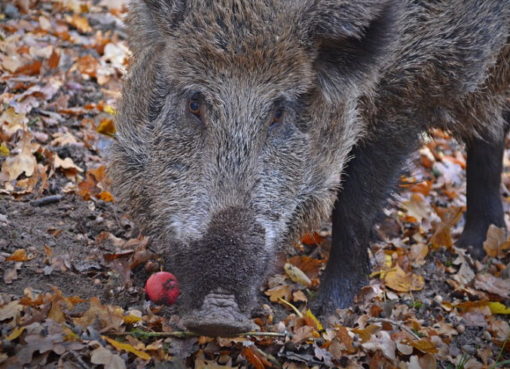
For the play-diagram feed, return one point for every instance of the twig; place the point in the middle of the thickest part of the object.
(268, 357)
(397, 324)
(46, 200)
(298, 313)
(187, 334)
(79, 360)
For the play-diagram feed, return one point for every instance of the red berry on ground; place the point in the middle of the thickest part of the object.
(162, 288)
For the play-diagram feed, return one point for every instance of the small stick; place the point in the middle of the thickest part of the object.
(396, 324)
(46, 200)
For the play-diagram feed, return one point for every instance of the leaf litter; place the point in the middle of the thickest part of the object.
(74, 265)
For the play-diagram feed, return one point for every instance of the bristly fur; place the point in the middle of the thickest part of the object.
(342, 69)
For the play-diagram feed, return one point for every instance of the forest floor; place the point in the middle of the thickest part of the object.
(73, 265)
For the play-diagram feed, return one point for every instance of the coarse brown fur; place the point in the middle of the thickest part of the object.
(341, 70)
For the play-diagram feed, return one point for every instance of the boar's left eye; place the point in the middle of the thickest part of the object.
(195, 105)
(278, 115)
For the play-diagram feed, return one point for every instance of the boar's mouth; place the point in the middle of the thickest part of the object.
(221, 273)
(218, 316)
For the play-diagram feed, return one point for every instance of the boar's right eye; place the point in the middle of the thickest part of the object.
(195, 105)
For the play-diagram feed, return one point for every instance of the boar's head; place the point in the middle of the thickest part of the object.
(236, 120)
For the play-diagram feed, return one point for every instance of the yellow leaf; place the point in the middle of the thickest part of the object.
(131, 319)
(424, 345)
(109, 109)
(4, 150)
(127, 347)
(388, 261)
(400, 281)
(498, 308)
(16, 332)
(106, 127)
(297, 275)
(366, 333)
(312, 318)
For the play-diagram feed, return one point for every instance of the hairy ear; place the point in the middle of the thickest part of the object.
(149, 21)
(353, 39)
(166, 13)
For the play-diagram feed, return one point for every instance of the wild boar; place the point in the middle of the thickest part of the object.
(239, 117)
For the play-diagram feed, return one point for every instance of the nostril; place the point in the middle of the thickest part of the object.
(218, 316)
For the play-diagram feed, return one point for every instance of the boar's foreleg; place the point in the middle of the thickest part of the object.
(484, 207)
(368, 180)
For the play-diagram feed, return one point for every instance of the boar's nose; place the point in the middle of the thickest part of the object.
(218, 316)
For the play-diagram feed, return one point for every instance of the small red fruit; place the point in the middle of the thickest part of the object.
(162, 288)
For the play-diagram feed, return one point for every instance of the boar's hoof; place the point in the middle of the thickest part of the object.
(218, 316)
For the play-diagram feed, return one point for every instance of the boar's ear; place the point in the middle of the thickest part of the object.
(150, 20)
(166, 13)
(352, 38)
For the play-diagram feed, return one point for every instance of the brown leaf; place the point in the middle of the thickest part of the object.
(443, 234)
(10, 311)
(54, 59)
(492, 284)
(367, 332)
(108, 317)
(105, 357)
(30, 69)
(105, 196)
(11, 122)
(343, 336)
(279, 292)
(312, 239)
(417, 208)
(18, 255)
(308, 265)
(253, 358)
(496, 245)
(303, 333)
(80, 23)
(24, 162)
(87, 65)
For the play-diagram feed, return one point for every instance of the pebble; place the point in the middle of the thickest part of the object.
(461, 328)
(11, 11)
(469, 349)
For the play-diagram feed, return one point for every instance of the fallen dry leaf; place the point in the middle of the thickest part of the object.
(105, 357)
(297, 275)
(488, 282)
(400, 281)
(22, 163)
(496, 245)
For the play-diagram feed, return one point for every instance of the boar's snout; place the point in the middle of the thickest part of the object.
(221, 272)
(218, 316)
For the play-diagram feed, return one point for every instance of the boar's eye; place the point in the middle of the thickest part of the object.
(195, 105)
(278, 115)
